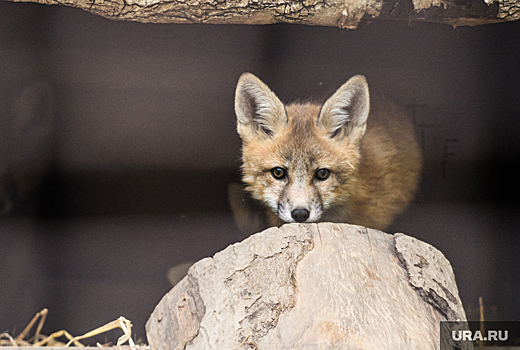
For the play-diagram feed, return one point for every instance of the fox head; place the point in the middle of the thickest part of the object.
(300, 159)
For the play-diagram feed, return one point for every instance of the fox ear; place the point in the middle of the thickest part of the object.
(345, 113)
(259, 112)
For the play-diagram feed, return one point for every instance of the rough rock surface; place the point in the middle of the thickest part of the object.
(311, 286)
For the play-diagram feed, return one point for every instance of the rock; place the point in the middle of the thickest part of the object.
(311, 286)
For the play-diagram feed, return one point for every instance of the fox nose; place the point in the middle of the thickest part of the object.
(300, 215)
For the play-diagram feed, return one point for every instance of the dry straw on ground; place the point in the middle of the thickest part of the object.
(39, 340)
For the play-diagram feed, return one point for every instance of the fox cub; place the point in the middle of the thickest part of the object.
(336, 162)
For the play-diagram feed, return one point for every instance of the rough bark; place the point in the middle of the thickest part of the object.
(311, 286)
(340, 13)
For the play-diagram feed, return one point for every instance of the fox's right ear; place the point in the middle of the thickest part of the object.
(345, 113)
(259, 112)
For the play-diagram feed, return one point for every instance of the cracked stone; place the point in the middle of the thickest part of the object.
(301, 286)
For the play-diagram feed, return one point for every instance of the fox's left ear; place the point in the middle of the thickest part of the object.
(345, 113)
(260, 114)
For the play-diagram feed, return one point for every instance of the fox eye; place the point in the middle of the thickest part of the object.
(278, 173)
(322, 174)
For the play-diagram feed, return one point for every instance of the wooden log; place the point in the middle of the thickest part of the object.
(338, 13)
(311, 286)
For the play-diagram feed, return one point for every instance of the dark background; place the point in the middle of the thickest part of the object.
(143, 146)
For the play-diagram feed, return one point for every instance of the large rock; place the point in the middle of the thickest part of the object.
(311, 286)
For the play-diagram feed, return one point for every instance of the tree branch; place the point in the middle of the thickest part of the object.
(337, 13)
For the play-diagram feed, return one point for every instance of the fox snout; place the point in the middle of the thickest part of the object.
(299, 204)
(300, 215)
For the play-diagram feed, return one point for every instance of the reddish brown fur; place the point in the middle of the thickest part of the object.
(373, 176)
(378, 183)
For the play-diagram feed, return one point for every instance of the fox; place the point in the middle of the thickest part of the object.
(351, 159)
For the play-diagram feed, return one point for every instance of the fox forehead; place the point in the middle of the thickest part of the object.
(300, 144)
(302, 119)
